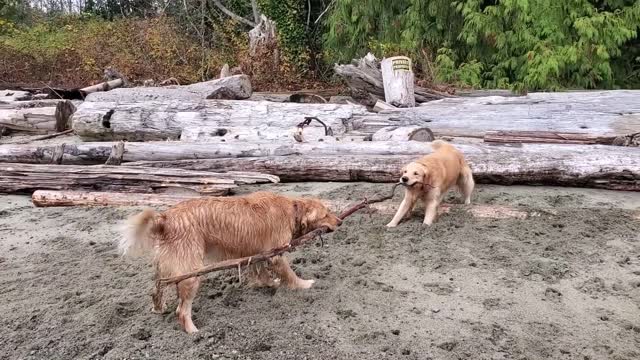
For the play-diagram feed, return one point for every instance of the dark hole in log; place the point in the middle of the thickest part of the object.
(106, 119)
(219, 132)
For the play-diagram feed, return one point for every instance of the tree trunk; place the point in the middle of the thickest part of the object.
(27, 178)
(549, 137)
(238, 85)
(397, 78)
(50, 198)
(596, 166)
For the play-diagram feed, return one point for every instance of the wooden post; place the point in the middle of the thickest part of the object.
(397, 78)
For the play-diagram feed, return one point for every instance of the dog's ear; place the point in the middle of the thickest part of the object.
(305, 215)
(426, 179)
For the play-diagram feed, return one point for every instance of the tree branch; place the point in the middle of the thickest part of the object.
(233, 15)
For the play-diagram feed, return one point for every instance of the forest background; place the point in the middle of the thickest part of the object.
(524, 45)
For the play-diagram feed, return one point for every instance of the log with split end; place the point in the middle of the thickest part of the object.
(21, 178)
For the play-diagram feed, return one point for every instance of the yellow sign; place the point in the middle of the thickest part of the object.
(401, 65)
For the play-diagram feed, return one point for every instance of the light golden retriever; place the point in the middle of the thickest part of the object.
(182, 238)
(430, 178)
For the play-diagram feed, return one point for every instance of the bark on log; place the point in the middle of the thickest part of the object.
(364, 78)
(404, 133)
(53, 198)
(397, 78)
(27, 178)
(596, 166)
(238, 85)
(549, 137)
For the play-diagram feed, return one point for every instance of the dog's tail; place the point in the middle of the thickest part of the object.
(137, 239)
(437, 144)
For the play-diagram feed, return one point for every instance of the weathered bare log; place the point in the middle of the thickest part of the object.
(381, 105)
(28, 104)
(14, 95)
(238, 85)
(549, 137)
(53, 198)
(364, 78)
(612, 113)
(602, 113)
(105, 86)
(28, 177)
(596, 166)
(38, 119)
(404, 133)
(155, 120)
(397, 78)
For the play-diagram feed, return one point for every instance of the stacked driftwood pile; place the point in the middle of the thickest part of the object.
(210, 137)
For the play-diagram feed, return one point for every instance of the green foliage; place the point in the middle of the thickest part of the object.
(289, 16)
(523, 44)
(74, 50)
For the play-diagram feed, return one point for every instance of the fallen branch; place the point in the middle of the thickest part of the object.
(104, 86)
(246, 261)
(45, 137)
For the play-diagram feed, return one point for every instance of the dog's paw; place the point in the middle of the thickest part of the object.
(305, 284)
(390, 225)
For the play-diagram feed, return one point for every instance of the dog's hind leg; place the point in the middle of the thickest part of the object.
(287, 276)
(187, 290)
(159, 302)
(466, 184)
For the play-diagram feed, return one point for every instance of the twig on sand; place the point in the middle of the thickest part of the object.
(291, 246)
(44, 137)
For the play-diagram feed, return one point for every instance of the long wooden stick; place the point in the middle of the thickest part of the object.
(292, 245)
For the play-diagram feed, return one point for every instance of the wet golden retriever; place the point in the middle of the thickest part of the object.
(430, 178)
(182, 238)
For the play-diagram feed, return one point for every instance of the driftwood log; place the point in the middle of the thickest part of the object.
(364, 79)
(38, 117)
(599, 166)
(21, 178)
(104, 86)
(609, 114)
(595, 166)
(549, 137)
(14, 95)
(397, 78)
(238, 86)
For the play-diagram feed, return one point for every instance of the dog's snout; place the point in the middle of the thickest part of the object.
(405, 179)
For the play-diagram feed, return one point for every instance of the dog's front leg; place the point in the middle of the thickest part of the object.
(431, 208)
(407, 204)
